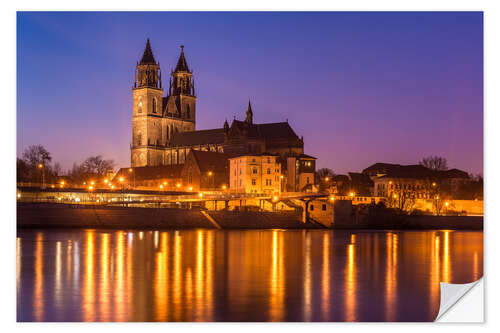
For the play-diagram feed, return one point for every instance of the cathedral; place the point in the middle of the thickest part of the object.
(164, 127)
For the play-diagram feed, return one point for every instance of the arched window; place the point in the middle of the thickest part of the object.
(154, 105)
(139, 106)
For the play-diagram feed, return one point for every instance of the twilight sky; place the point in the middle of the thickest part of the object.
(360, 87)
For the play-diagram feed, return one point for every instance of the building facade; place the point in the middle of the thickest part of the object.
(164, 128)
(255, 174)
(155, 118)
(300, 172)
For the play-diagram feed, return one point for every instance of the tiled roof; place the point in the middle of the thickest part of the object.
(194, 138)
(211, 161)
(340, 178)
(267, 131)
(416, 171)
(359, 178)
(306, 156)
(150, 173)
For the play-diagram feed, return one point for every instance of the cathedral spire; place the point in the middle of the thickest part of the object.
(147, 57)
(181, 63)
(249, 113)
(147, 71)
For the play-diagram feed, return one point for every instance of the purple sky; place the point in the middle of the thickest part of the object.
(360, 87)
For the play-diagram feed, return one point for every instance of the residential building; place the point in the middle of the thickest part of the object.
(300, 173)
(258, 173)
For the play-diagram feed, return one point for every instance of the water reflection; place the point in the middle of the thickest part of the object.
(208, 275)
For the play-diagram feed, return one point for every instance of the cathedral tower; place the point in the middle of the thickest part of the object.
(147, 94)
(181, 99)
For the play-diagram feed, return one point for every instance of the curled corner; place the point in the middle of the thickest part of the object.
(452, 294)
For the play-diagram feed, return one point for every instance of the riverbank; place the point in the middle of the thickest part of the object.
(77, 216)
(112, 217)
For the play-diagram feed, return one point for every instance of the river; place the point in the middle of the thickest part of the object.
(249, 275)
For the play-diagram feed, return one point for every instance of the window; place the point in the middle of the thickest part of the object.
(240, 171)
(324, 207)
(255, 171)
(307, 180)
(268, 160)
(254, 181)
(240, 182)
(311, 208)
(268, 171)
(154, 105)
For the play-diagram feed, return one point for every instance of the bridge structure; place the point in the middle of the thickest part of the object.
(154, 198)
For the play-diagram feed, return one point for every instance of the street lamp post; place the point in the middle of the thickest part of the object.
(40, 166)
(130, 170)
(211, 184)
(123, 191)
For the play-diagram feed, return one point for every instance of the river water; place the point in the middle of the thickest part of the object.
(261, 275)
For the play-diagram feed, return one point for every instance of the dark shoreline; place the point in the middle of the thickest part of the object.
(61, 216)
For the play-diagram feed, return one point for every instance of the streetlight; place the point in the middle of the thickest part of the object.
(40, 166)
(123, 190)
(130, 170)
(210, 182)
(332, 198)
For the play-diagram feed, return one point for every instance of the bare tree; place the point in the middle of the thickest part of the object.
(33, 155)
(97, 165)
(56, 169)
(323, 177)
(435, 163)
(324, 174)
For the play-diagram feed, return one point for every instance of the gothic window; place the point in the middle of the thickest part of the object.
(154, 105)
(139, 105)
